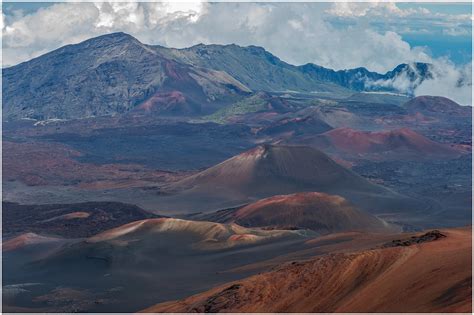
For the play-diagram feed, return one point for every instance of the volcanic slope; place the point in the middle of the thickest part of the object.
(207, 235)
(316, 211)
(28, 239)
(433, 276)
(269, 170)
(436, 105)
(159, 259)
(116, 73)
(392, 143)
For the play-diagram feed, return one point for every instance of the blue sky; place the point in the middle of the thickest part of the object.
(26, 7)
(457, 48)
(446, 8)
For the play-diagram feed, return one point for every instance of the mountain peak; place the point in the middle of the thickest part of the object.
(115, 36)
(110, 39)
(416, 71)
(119, 59)
(281, 165)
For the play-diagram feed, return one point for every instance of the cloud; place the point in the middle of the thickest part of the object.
(405, 82)
(456, 31)
(298, 33)
(449, 80)
(385, 9)
(28, 36)
(409, 20)
(446, 80)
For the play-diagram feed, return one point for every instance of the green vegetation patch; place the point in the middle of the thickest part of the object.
(252, 104)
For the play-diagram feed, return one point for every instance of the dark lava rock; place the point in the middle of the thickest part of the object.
(69, 220)
(427, 237)
(221, 301)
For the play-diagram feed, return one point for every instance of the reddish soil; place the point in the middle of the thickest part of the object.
(275, 169)
(430, 105)
(45, 163)
(403, 140)
(166, 100)
(24, 240)
(313, 210)
(425, 277)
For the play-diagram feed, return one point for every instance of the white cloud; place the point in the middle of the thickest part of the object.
(456, 31)
(410, 20)
(374, 8)
(401, 82)
(297, 33)
(449, 80)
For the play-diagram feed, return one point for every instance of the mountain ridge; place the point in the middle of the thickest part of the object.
(116, 73)
(348, 282)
